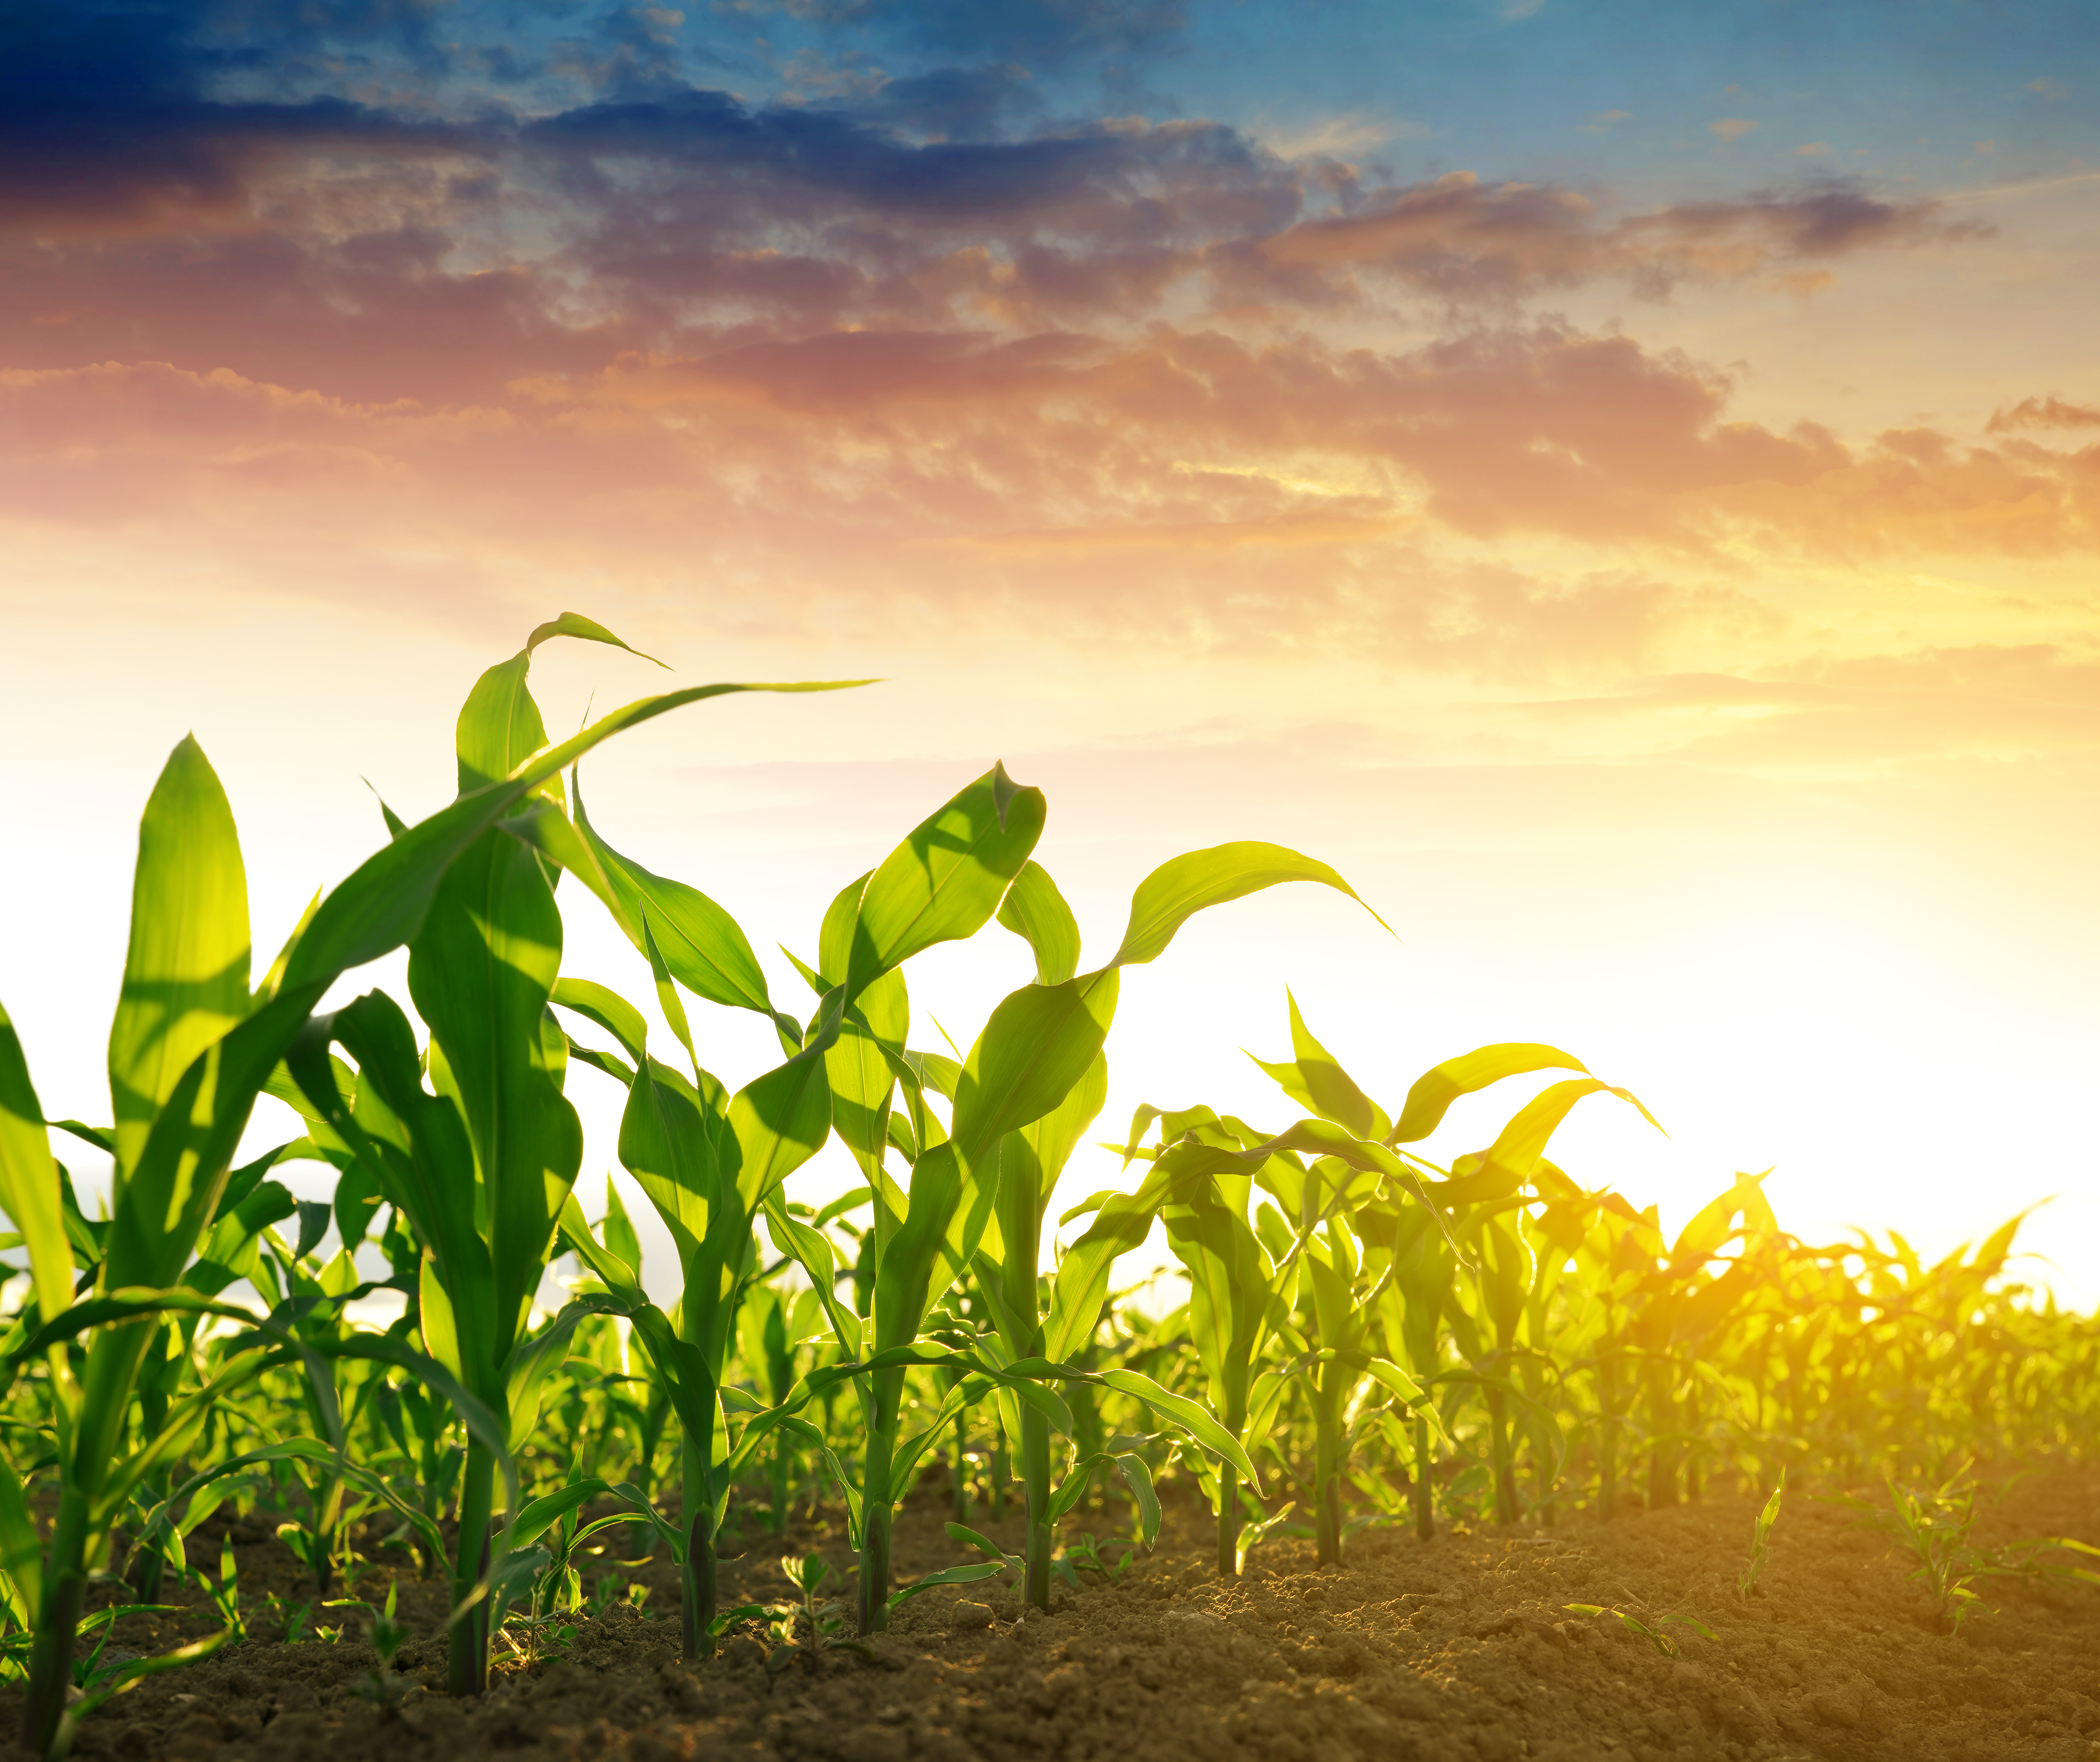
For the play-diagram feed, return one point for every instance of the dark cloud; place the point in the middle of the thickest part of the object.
(1042, 33)
(827, 150)
(955, 102)
(1463, 240)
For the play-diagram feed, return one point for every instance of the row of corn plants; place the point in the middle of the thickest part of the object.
(449, 1367)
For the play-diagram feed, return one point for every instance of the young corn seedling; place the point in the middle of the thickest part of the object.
(770, 1326)
(1239, 1295)
(1466, 1203)
(980, 1185)
(384, 1686)
(481, 1163)
(191, 1049)
(1933, 1528)
(1760, 1543)
(708, 1162)
(1659, 1636)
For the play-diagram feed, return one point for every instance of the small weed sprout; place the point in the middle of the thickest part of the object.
(1659, 1636)
(1761, 1542)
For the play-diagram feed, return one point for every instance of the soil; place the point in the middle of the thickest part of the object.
(1461, 1647)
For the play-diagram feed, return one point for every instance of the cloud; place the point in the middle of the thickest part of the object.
(957, 104)
(1041, 33)
(2042, 412)
(1731, 128)
(1462, 238)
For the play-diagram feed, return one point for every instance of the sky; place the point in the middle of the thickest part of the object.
(1620, 480)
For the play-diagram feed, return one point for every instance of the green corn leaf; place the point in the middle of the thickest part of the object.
(542, 1514)
(609, 1010)
(1434, 1091)
(672, 1141)
(1186, 1415)
(811, 1249)
(1317, 1083)
(972, 1574)
(944, 881)
(186, 973)
(29, 1178)
(481, 970)
(129, 1675)
(859, 1069)
(1416, 1399)
(997, 1558)
(1121, 1224)
(185, 988)
(1035, 911)
(1178, 888)
(1520, 1145)
(21, 1547)
(415, 1145)
(702, 946)
(379, 907)
(730, 1618)
(780, 1120)
(1137, 1476)
(587, 630)
(1039, 1042)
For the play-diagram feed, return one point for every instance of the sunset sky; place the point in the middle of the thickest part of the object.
(1621, 481)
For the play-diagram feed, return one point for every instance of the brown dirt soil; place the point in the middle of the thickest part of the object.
(1457, 1649)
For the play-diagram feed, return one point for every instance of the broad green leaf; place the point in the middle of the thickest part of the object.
(780, 1120)
(703, 946)
(1121, 1224)
(946, 879)
(859, 1070)
(811, 1249)
(1713, 1224)
(542, 1514)
(1434, 1090)
(587, 629)
(481, 971)
(1316, 1082)
(1520, 1144)
(1180, 888)
(21, 1548)
(1029, 1163)
(499, 725)
(1186, 1415)
(1035, 911)
(609, 1010)
(185, 986)
(620, 1273)
(835, 937)
(415, 1144)
(671, 1142)
(381, 904)
(29, 1178)
(904, 1274)
(1039, 1041)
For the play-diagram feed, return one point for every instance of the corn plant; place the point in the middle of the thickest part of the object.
(1761, 1543)
(1657, 1634)
(1382, 1334)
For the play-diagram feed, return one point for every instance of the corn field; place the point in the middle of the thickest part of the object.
(1337, 1332)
